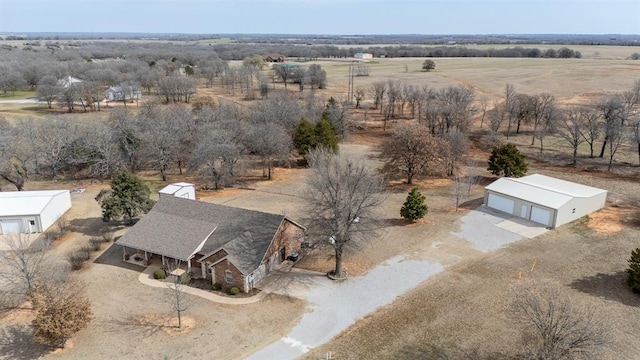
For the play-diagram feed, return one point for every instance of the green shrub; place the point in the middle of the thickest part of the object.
(234, 290)
(186, 278)
(159, 274)
(217, 286)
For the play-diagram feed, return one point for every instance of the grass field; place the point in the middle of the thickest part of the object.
(17, 95)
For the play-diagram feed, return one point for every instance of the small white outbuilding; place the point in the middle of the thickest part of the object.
(32, 211)
(179, 189)
(542, 199)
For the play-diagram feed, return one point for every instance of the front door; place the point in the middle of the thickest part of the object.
(523, 211)
(283, 255)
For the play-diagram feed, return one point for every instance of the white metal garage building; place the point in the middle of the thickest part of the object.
(543, 199)
(32, 211)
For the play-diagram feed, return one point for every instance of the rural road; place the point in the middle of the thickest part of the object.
(337, 305)
(21, 101)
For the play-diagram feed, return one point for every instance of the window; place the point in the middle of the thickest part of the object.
(228, 276)
(32, 222)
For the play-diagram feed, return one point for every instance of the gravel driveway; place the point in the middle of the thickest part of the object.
(336, 305)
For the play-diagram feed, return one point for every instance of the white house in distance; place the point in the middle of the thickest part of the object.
(180, 189)
(543, 199)
(363, 56)
(32, 211)
(120, 93)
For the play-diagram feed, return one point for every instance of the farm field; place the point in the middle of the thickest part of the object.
(457, 312)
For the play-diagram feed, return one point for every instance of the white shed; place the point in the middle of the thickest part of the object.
(543, 199)
(180, 189)
(32, 211)
(363, 56)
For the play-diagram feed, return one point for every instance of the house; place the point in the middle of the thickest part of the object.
(363, 56)
(274, 58)
(68, 81)
(32, 211)
(228, 245)
(180, 189)
(121, 93)
(542, 199)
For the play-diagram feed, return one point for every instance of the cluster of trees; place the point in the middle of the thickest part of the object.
(217, 141)
(613, 119)
(29, 273)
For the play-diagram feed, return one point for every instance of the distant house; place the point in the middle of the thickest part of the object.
(121, 93)
(68, 81)
(274, 58)
(228, 245)
(32, 211)
(363, 56)
(543, 199)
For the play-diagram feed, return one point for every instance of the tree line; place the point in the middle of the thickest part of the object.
(216, 140)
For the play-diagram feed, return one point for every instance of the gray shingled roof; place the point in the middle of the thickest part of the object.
(175, 227)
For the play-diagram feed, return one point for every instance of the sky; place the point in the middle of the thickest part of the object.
(331, 17)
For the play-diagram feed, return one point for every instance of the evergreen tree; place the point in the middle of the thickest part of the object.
(128, 198)
(308, 136)
(414, 208)
(325, 134)
(508, 161)
(633, 272)
(304, 137)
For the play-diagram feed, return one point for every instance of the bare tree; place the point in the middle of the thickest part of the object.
(411, 151)
(377, 91)
(15, 152)
(176, 295)
(510, 103)
(635, 136)
(591, 131)
(612, 112)
(463, 182)
(554, 326)
(614, 131)
(24, 262)
(571, 125)
(343, 193)
(270, 142)
(48, 89)
(215, 157)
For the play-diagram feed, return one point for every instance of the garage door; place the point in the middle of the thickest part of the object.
(11, 226)
(500, 203)
(540, 215)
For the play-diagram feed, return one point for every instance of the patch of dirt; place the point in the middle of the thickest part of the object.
(611, 219)
(22, 315)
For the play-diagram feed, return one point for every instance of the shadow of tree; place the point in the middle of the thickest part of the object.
(17, 342)
(610, 286)
(88, 226)
(140, 325)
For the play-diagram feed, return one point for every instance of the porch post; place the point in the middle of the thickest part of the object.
(189, 265)
(124, 252)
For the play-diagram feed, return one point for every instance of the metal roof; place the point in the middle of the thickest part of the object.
(19, 203)
(543, 190)
(172, 188)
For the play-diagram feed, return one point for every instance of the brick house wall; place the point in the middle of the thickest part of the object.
(289, 236)
(220, 271)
